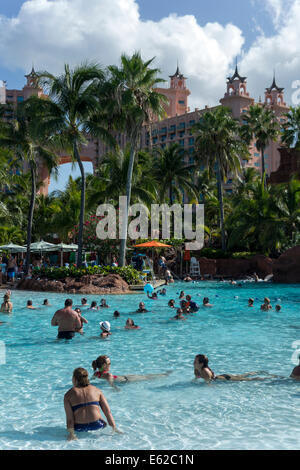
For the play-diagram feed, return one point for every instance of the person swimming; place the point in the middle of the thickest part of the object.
(46, 303)
(101, 367)
(171, 303)
(266, 305)
(203, 371)
(116, 314)
(93, 306)
(206, 302)
(142, 308)
(296, 371)
(103, 304)
(130, 325)
(105, 329)
(250, 302)
(29, 305)
(179, 315)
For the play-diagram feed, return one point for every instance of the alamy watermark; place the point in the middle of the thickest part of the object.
(188, 222)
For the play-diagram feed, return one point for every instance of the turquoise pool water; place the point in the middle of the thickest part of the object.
(169, 413)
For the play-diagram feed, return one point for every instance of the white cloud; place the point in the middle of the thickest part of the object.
(52, 32)
(279, 51)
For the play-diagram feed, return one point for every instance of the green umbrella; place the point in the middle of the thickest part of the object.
(41, 246)
(13, 248)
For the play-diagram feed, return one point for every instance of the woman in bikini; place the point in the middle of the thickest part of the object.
(101, 367)
(202, 371)
(82, 406)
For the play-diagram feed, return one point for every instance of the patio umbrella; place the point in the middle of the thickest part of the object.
(152, 244)
(13, 248)
(41, 246)
(63, 247)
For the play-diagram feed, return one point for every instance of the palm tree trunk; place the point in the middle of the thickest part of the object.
(122, 260)
(30, 216)
(82, 206)
(263, 177)
(220, 198)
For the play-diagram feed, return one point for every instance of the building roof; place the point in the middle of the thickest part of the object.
(177, 74)
(236, 75)
(274, 86)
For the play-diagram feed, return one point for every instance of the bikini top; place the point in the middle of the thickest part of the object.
(100, 374)
(81, 405)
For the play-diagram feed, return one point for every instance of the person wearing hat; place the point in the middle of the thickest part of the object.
(105, 327)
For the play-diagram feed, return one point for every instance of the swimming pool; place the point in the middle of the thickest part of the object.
(168, 413)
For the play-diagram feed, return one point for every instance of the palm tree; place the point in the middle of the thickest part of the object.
(75, 114)
(260, 124)
(31, 145)
(137, 104)
(220, 149)
(291, 129)
(172, 173)
(110, 179)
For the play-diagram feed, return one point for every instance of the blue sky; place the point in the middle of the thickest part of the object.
(263, 34)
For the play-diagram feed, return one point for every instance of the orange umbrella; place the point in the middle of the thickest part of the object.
(152, 244)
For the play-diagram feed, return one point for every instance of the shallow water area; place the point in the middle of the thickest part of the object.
(173, 412)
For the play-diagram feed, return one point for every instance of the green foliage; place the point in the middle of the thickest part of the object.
(212, 253)
(128, 273)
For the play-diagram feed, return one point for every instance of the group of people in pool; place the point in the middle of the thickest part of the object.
(83, 401)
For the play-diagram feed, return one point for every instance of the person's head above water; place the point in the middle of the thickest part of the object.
(93, 304)
(116, 314)
(105, 326)
(29, 303)
(278, 308)
(101, 363)
(80, 377)
(83, 301)
(46, 302)
(68, 303)
(205, 300)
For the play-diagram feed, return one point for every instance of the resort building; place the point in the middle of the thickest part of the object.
(177, 126)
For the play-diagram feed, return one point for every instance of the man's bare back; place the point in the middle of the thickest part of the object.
(66, 319)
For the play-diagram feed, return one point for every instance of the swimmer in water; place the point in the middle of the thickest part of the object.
(141, 308)
(152, 296)
(82, 403)
(46, 303)
(250, 302)
(130, 325)
(81, 319)
(101, 367)
(105, 329)
(179, 315)
(116, 314)
(93, 306)
(171, 303)
(29, 305)
(206, 302)
(181, 295)
(202, 371)
(278, 308)
(7, 305)
(266, 305)
(103, 304)
(296, 371)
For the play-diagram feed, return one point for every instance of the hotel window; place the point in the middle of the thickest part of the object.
(181, 142)
(257, 154)
(20, 99)
(181, 102)
(191, 141)
(181, 125)
(256, 164)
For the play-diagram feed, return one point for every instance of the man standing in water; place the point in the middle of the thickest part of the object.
(67, 320)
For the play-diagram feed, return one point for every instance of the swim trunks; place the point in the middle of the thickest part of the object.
(99, 424)
(65, 334)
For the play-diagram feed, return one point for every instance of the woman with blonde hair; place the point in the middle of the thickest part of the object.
(7, 305)
(82, 406)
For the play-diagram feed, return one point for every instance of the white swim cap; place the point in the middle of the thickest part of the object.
(105, 325)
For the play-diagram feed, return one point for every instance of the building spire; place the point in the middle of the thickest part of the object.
(274, 85)
(236, 74)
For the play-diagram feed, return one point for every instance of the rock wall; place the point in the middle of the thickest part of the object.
(286, 268)
(94, 284)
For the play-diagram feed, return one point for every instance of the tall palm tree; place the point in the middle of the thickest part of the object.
(31, 145)
(291, 129)
(138, 103)
(75, 114)
(172, 173)
(220, 149)
(260, 123)
(110, 179)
